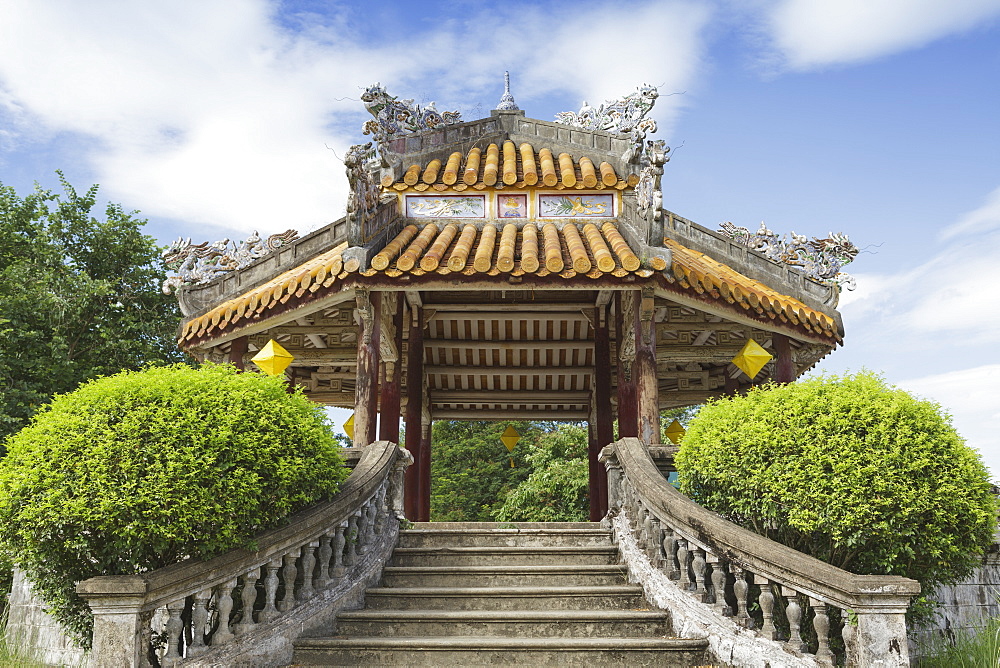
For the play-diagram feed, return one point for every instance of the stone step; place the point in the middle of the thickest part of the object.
(502, 537)
(500, 575)
(513, 623)
(507, 556)
(479, 650)
(506, 598)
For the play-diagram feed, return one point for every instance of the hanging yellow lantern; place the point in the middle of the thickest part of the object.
(751, 358)
(349, 427)
(675, 432)
(509, 438)
(272, 359)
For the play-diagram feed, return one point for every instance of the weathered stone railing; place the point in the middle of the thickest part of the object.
(246, 607)
(725, 566)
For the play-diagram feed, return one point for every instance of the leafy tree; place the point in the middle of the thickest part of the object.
(557, 489)
(848, 469)
(139, 470)
(79, 298)
(470, 468)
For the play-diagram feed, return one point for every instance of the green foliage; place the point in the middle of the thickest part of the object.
(139, 470)
(848, 469)
(557, 489)
(79, 298)
(470, 468)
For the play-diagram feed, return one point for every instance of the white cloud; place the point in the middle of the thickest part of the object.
(972, 396)
(815, 33)
(984, 219)
(213, 114)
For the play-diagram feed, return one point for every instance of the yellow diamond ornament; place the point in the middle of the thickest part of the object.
(675, 432)
(349, 427)
(272, 359)
(752, 358)
(510, 437)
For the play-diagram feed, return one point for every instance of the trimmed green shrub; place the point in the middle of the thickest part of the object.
(847, 469)
(140, 470)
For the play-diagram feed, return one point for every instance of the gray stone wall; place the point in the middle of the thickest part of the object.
(967, 606)
(28, 626)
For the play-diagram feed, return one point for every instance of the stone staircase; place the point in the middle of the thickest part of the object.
(503, 594)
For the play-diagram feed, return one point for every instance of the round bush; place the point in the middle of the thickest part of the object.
(139, 470)
(848, 469)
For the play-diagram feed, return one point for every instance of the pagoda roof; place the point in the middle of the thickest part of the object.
(568, 254)
(509, 165)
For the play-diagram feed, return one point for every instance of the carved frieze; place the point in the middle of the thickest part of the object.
(195, 264)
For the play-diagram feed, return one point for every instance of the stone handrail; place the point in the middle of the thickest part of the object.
(707, 556)
(211, 612)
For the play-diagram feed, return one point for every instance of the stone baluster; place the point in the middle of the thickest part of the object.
(766, 601)
(247, 599)
(352, 539)
(640, 529)
(361, 537)
(821, 623)
(849, 633)
(339, 542)
(381, 510)
(307, 591)
(741, 587)
(670, 550)
(371, 509)
(698, 565)
(793, 611)
(325, 552)
(146, 638)
(647, 533)
(199, 622)
(656, 556)
(173, 631)
(614, 485)
(396, 490)
(718, 583)
(224, 605)
(270, 611)
(288, 575)
(682, 564)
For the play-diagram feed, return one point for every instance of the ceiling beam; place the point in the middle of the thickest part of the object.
(509, 370)
(509, 397)
(489, 414)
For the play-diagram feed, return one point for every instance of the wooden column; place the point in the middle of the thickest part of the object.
(625, 316)
(647, 390)
(784, 367)
(425, 461)
(414, 411)
(388, 429)
(366, 388)
(604, 427)
(237, 349)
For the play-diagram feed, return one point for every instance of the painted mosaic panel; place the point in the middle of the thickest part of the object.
(512, 206)
(445, 206)
(580, 206)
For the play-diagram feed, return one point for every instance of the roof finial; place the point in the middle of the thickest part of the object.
(507, 100)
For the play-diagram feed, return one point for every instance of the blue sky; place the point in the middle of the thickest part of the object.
(877, 118)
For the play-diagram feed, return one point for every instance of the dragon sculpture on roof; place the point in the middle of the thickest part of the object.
(394, 116)
(620, 116)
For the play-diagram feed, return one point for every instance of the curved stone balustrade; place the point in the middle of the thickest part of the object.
(779, 593)
(246, 607)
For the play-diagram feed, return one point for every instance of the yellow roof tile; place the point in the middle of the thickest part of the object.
(511, 166)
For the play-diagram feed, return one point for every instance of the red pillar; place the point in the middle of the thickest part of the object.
(628, 416)
(784, 367)
(237, 349)
(389, 405)
(414, 411)
(604, 431)
(425, 471)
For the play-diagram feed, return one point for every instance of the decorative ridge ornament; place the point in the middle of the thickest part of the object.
(200, 263)
(507, 102)
(395, 117)
(620, 116)
(821, 259)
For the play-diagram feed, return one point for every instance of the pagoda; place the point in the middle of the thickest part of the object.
(513, 268)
